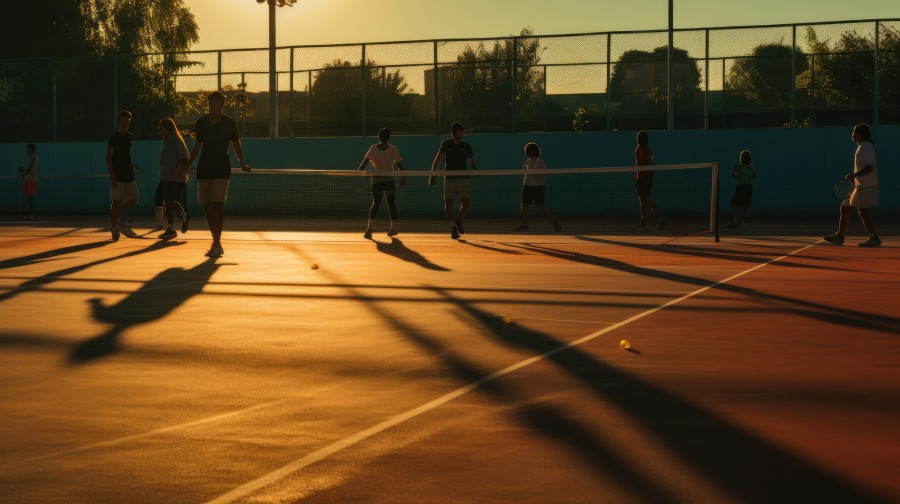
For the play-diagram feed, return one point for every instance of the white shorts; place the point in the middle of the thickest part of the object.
(212, 190)
(124, 191)
(862, 197)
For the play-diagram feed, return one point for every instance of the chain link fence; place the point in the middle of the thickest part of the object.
(808, 75)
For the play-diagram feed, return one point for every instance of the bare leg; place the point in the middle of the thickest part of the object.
(463, 208)
(844, 220)
(546, 211)
(214, 219)
(866, 216)
(448, 211)
(524, 215)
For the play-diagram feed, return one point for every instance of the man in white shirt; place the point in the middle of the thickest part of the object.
(383, 157)
(865, 192)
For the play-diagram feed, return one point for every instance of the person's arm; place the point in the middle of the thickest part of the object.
(362, 165)
(753, 170)
(239, 152)
(866, 169)
(194, 151)
(109, 166)
(437, 160)
(400, 168)
(472, 163)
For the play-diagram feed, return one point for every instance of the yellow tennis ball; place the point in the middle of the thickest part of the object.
(625, 344)
(507, 319)
(314, 266)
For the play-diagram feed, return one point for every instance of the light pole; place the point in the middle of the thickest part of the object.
(273, 76)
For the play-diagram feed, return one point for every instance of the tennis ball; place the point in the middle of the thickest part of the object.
(625, 344)
(314, 266)
(507, 319)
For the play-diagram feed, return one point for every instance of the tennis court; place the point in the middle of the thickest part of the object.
(763, 368)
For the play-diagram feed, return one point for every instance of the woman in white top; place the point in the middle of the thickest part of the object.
(383, 157)
(865, 191)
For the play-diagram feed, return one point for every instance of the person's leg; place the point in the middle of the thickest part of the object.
(392, 210)
(30, 202)
(215, 221)
(546, 211)
(524, 224)
(463, 208)
(159, 199)
(448, 210)
(642, 201)
(844, 221)
(865, 215)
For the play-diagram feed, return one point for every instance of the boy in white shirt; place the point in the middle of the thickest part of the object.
(383, 157)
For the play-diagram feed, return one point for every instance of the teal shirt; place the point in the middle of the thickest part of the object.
(743, 174)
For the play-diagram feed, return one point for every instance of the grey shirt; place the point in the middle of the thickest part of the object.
(170, 156)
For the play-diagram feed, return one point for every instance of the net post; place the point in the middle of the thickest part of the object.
(714, 214)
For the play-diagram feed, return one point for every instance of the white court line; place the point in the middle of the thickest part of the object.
(163, 430)
(322, 453)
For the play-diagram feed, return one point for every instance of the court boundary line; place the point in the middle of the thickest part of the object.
(287, 470)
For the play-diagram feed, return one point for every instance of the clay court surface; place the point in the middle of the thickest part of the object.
(764, 368)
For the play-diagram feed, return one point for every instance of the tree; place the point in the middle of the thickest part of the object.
(842, 74)
(98, 32)
(280, 3)
(337, 95)
(764, 79)
(639, 79)
(478, 89)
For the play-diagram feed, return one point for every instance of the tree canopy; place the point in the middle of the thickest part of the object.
(640, 78)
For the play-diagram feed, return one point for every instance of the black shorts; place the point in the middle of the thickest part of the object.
(532, 194)
(381, 187)
(169, 191)
(742, 194)
(643, 186)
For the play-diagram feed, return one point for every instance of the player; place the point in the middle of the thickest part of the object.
(865, 190)
(173, 177)
(457, 153)
(122, 185)
(29, 174)
(643, 183)
(534, 186)
(214, 132)
(383, 157)
(743, 173)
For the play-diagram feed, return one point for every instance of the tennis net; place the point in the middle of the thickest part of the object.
(582, 200)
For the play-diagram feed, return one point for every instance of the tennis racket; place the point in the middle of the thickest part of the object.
(842, 189)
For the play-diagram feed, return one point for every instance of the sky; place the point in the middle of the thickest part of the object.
(230, 24)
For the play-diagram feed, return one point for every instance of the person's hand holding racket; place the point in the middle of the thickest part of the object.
(245, 167)
(431, 180)
(844, 187)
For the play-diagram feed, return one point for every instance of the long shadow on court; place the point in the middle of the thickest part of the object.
(158, 297)
(745, 465)
(545, 419)
(825, 313)
(17, 262)
(490, 248)
(37, 283)
(398, 249)
(719, 253)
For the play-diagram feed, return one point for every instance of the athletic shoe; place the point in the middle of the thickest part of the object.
(125, 230)
(523, 227)
(873, 241)
(556, 226)
(454, 233)
(732, 226)
(459, 226)
(185, 220)
(114, 232)
(368, 234)
(215, 251)
(393, 232)
(168, 234)
(834, 238)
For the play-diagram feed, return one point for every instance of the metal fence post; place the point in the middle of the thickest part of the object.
(309, 102)
(545, 98)
(219, 71)
(670, 91)
(723, 93)
(291, 96)
(55, 102)
(436, 90)
(875, 88)
(706, 91)
(793, 76)
(608, 80)
(363, 78)
(514, 71)
(115, 89)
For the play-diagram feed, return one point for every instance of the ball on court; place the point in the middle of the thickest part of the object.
(314, 266)
(507, 319)
(625, 344)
